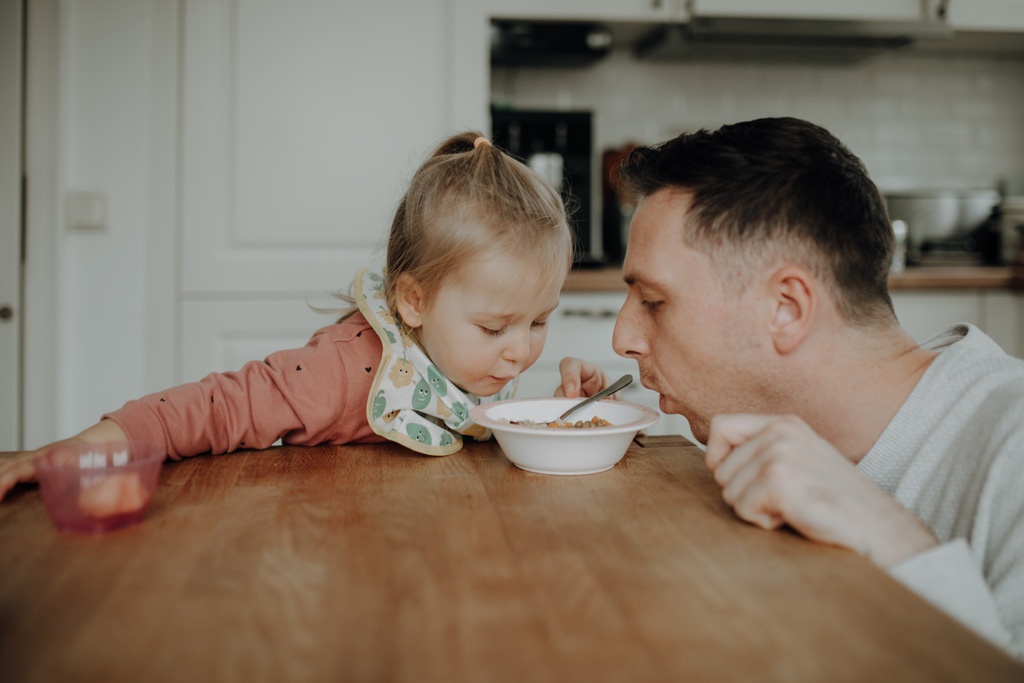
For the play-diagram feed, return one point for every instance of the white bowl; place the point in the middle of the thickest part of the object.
(563, 451)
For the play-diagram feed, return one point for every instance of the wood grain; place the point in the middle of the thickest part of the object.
(369, 563)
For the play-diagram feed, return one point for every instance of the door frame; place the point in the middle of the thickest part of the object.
(39, 294)
(12, 115)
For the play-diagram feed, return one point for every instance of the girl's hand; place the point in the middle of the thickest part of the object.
(18, 469)
(579, 378)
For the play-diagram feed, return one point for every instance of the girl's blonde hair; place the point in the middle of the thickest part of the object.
(470, 198)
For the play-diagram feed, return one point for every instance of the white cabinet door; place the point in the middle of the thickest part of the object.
(923, 313)
(301, 124)
(586, 10)
(1000, 314)
(222, 336)
(868, 10)
(986, 15)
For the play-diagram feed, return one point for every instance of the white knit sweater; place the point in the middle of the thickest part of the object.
(954, 456)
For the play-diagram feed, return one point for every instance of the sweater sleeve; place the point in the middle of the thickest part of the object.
(312, 395)
(948, 577)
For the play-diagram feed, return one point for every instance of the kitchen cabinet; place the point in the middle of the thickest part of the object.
(587, 10)
(868, 10)
(1000, 313)
(961, 15)
(224, 335)
(680, 10)
(986, 15)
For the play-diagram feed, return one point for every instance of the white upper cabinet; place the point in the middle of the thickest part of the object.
(986, 15)
(867, 10)
(681, 10)
(994, 15)
(587, 10)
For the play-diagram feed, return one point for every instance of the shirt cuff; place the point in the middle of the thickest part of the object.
(947, 576)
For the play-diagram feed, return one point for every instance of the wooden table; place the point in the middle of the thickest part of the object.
(369, 563)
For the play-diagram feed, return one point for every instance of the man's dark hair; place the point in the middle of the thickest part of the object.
(778, 188)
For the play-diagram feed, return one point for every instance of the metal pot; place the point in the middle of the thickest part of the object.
(942, 220)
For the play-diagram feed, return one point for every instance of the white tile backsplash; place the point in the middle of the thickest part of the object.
(915, 121)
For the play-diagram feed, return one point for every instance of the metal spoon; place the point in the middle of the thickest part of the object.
(607, 391)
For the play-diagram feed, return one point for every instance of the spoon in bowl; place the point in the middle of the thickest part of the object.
(618, 384)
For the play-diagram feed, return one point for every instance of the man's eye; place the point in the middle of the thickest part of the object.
(650, 305)
(539, 323)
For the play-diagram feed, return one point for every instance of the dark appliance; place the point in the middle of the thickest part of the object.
(558, 145)
(760, 39)
(541, 44)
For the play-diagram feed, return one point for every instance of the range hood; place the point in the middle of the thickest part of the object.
(788, 40)
(548, 43)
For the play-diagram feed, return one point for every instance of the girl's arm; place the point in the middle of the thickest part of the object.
(311, 395)
(316, 394)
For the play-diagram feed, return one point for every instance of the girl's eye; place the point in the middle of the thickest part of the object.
(539, 323)
(493, 333)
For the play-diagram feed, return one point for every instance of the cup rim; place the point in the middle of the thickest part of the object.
(140, 456)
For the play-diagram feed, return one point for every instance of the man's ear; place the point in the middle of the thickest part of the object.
(794, 305)
(410, 301)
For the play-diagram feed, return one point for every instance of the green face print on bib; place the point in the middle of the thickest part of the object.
(421, 395)
(437, 381)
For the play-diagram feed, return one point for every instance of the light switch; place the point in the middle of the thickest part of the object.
(85, 210)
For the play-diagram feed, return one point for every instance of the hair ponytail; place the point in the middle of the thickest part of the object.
(470, 198)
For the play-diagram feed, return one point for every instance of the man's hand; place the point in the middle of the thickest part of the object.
(579, 378)
(775, 470)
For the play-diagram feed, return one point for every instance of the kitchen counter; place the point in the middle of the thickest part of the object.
(368, 562)
(915, 278)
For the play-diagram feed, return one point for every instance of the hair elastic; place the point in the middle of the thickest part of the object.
(480, 141)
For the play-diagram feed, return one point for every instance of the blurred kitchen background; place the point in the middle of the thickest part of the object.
(198, 171)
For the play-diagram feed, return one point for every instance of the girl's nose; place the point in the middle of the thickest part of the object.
(518, 346)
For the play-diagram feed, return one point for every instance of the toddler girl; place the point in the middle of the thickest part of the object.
(477, 253)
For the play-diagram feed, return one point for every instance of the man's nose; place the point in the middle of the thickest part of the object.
(627, 339)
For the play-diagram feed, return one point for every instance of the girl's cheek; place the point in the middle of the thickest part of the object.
(536, 349)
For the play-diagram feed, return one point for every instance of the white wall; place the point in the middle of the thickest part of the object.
(913, 120)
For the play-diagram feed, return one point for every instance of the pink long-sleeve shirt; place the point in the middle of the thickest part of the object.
(313, 395)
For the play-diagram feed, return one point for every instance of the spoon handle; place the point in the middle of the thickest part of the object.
(607, 391)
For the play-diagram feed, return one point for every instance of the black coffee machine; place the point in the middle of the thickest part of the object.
(559, 146)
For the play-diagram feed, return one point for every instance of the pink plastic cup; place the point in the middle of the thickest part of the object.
(97, 487)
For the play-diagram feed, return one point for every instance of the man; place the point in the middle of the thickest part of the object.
(758, 308)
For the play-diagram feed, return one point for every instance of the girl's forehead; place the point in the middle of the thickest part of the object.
(496, 282)
(516, 270)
